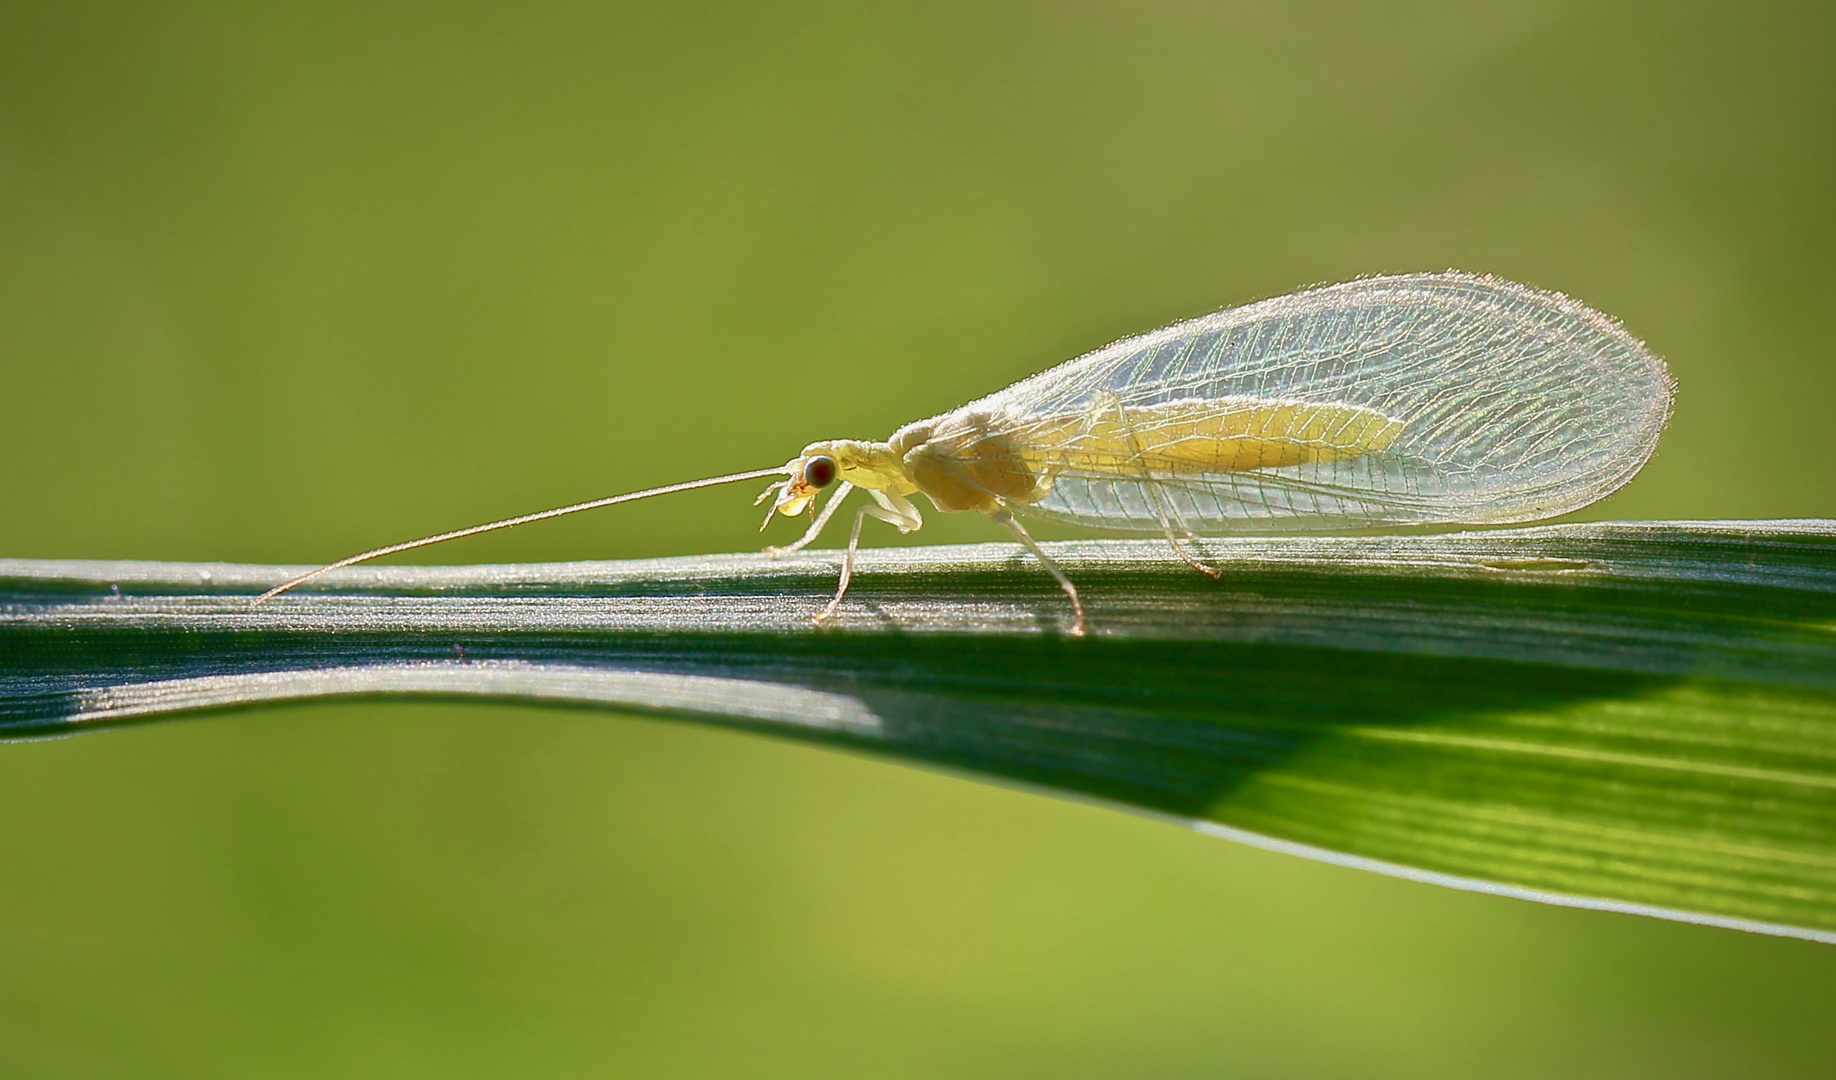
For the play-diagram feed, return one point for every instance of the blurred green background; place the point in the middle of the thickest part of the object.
(280, 282)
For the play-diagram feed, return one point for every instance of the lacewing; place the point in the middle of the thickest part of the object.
(1421, 399)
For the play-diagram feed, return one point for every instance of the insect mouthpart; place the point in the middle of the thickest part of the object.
(793, 494)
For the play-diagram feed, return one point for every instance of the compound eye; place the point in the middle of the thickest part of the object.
(819, 472)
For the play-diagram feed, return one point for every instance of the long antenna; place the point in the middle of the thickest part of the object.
(507, 522)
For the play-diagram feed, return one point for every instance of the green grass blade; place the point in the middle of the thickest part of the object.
(1640, 717)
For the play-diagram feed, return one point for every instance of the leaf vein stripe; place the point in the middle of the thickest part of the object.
(1506, 816)
(1606, 757)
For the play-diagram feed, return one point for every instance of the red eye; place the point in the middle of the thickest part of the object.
(819, 472)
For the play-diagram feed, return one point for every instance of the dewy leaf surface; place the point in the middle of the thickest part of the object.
(1639, 717)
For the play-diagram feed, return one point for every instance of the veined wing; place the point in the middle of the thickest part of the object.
(1426, 398)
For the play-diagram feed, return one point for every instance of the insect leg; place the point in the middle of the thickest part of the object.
(908, 517)
(1162, 512)
(1064, 580)
(1166, 526)
(905, 518)
(822, 519)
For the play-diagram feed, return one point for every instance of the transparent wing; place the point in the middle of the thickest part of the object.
(1494, 402)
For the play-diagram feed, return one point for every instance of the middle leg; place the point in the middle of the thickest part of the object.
(1006, 518)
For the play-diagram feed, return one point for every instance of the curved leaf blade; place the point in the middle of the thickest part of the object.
(1640, 717)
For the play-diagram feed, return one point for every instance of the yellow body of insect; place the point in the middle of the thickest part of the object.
(976, 462)
(979, 460)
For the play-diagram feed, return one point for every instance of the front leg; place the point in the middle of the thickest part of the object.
(896, 511)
